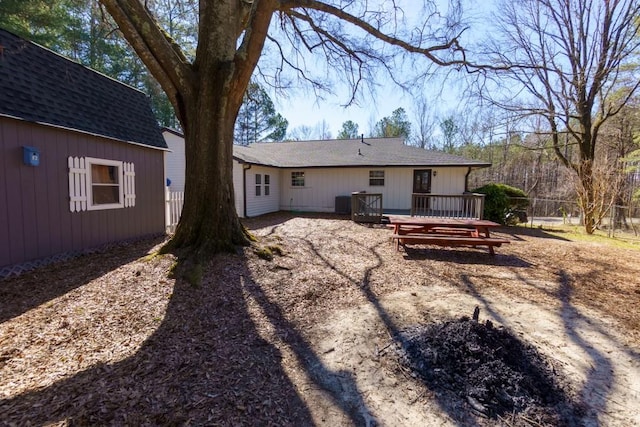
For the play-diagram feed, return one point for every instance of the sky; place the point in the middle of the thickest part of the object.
(302, 108)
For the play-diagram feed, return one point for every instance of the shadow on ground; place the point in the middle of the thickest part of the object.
(521, 233)
(205, 364)
(461, 256)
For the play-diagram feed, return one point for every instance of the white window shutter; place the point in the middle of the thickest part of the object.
(129, 185)
(77, 184)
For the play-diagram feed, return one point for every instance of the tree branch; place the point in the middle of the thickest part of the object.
(156, 49)
(256, 30)
(287, 6)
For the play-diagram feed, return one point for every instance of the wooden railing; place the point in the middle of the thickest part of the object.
(174, 201)
(467, 206)
(366, 207)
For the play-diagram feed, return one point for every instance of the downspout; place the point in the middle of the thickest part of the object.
(466, 180)
(245, 168)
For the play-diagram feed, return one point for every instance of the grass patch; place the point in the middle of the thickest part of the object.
(268, 252)
(577, 234)
(151, 256)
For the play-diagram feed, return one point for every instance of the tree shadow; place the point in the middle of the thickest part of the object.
(460, 413)
(206, 364)
(341, 385)
(18, 296)
(460, 256)
(519, 233)
(599, 378)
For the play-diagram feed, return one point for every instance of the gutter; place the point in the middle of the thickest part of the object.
(466, 180)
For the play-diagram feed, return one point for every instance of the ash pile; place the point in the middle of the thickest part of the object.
(476, 367)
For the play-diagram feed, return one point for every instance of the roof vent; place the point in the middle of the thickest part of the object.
(359, 153)
(362, 138)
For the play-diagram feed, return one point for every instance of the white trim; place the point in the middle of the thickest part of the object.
(103, 162)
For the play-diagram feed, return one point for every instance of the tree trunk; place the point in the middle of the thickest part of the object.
(209, 222)
(587, 196)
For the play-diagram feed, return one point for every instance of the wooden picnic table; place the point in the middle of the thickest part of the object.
(444, 232)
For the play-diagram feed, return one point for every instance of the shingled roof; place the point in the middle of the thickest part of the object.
(38, 85)
(369, 152)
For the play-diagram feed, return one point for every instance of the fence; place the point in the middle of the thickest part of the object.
(466, 206)
(554, 212)
(174, 201)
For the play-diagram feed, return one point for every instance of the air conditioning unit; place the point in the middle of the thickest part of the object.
(343, 205)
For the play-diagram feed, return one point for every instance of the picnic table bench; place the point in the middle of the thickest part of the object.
(444, 232)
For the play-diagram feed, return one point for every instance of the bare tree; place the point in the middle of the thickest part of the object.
(564, 60)
(301, 133)
(322, 130)
(351, 38)
(426, 120)
(617, 136)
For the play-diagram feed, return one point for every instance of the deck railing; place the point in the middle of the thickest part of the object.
(467, 206)
(366, 207)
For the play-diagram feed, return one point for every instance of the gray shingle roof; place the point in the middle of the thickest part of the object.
(347, 153)
(38, 85)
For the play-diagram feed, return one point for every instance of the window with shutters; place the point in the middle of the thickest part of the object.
(96, 184)
(267, 185)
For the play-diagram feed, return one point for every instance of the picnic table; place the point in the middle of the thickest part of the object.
(444, 232)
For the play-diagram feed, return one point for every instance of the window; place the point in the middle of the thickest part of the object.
(258, 183)
(376, 178)
(105, 184)
(266, 185)
(96, 184)
(297, 179)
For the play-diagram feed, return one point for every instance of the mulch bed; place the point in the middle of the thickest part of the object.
(115, 339)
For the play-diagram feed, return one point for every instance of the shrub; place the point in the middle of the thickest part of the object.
(504, 204)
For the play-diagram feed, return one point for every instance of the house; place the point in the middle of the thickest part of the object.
(81, 158)
(313, 176)
(175, 159)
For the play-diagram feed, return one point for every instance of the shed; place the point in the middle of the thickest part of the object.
(81, 158)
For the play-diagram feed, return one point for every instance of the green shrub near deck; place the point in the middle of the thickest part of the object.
(503, 204)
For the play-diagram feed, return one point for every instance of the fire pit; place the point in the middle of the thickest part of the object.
(488, 371)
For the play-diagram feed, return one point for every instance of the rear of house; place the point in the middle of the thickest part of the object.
(313, 176)
(320, 176)
(81, 159)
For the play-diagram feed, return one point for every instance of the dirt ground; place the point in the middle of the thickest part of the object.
(311, 336)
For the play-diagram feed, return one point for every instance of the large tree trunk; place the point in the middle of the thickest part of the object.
(209, 222)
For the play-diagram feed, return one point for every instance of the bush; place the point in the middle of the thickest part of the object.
(504, 204)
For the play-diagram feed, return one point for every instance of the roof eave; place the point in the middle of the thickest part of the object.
(140, 144)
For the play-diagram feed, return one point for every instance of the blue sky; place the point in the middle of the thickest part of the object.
(302, 108)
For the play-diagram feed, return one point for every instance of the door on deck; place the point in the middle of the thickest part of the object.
(422, 181)
(421, 185)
